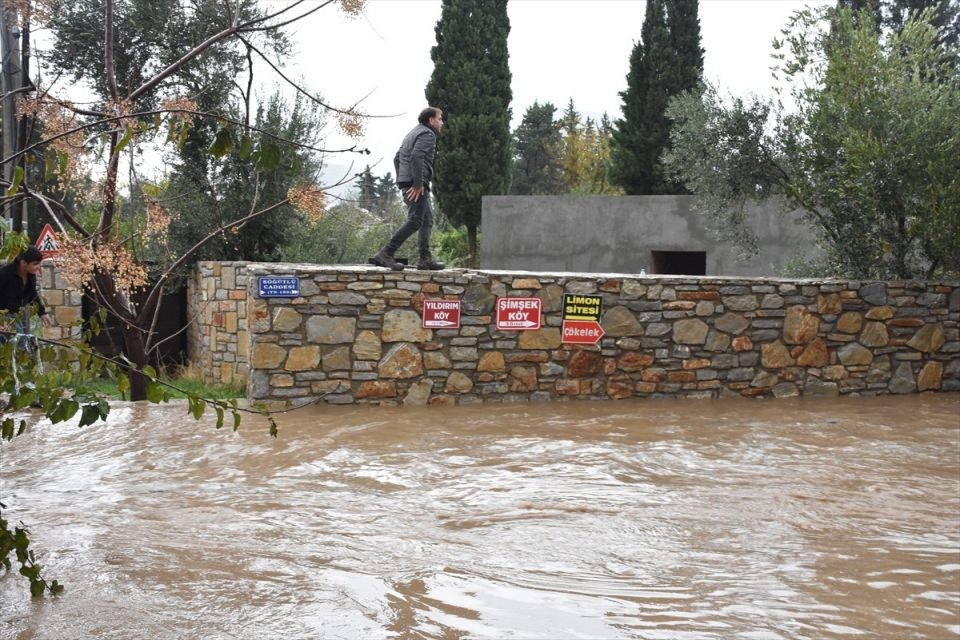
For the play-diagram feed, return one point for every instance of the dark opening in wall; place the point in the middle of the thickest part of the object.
(680, 263)
(170, 336)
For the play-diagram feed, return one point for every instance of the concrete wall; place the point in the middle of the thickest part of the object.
(615, 234)
(354, 336)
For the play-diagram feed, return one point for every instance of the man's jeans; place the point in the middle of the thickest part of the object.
(419, 216)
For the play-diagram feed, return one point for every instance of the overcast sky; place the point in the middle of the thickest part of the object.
(559, 49)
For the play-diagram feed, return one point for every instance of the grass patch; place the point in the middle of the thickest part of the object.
(187, 378)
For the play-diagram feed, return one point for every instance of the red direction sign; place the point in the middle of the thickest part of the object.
(441, 314)
(48, 242)
(581, 332)
(518, 314)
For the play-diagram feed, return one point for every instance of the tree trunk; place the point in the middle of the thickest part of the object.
(106, 295)
(134, 349)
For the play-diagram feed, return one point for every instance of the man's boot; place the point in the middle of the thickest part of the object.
(427, 263)
(384, 258)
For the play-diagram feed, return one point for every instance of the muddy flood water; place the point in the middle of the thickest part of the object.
(753, 519)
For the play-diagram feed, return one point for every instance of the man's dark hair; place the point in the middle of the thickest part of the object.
(426, 114)
(31, 254)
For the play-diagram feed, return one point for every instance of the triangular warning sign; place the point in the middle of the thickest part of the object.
(48, 242)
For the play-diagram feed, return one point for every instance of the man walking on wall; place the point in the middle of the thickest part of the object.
(414, 169)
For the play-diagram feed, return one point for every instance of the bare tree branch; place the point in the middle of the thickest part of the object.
(148, 334)
(154, 294)
(209, 42)
(50, 204)
(202, 114)
(156, 346)
(127, 365)
(28, 89)
(271, 16)
(291, 82)
(176, 66)
(158, 286)
(277, 25)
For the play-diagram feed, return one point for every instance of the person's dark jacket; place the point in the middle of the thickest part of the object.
(14, 293)
(413, 162)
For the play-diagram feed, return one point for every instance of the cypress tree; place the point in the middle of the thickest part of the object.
(667, 60)
(366, 189)
(471, 83)
(386, 194)
(635, 141)
(683, 22)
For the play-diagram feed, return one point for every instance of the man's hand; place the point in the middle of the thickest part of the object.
(413, 193)
(46, 320)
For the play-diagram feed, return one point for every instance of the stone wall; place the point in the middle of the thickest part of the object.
(217, 338)
(354, 336)
(64, 302)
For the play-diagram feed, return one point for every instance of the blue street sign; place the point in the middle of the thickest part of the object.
(276, 287)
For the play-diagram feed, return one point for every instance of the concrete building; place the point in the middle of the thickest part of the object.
(629, 234)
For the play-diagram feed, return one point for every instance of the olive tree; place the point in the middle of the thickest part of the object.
(862, 140)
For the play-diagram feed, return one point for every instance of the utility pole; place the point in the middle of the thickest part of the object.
(10, 81)
(25, 120)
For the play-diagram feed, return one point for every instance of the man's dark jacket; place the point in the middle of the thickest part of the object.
(14, 293)
(414, 160)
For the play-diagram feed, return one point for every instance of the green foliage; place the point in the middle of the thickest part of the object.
(894, 15)
(665, 62)
(219, 170)
(870, 155)
(239, 175)
(471, 83)
(567, 156)
(180, 388)
(60, 382)
(377, 195)
(12, 244)
(15, 183)
(803, 265)
(345, 235)
(387, 196)
(583, 155)
(683, 22)
(535, 170)
(366, 188)
(452, 247)
(150, 36)
(17, 540)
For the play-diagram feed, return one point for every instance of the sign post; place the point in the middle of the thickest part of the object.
(441, 314)
(48, 243)
(581, 319)
(518, 314)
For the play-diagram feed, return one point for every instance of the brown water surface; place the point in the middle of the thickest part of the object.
(755, 520)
